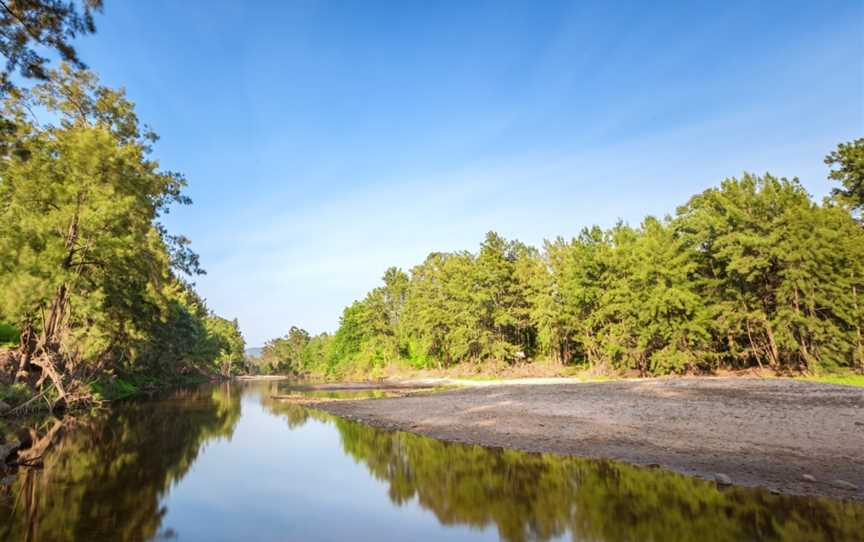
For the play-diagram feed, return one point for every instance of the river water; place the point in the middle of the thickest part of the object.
(231, 463)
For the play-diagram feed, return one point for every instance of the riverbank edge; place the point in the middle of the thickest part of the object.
(105, 392)
(515, 375)
(700, 463)
(14, 428)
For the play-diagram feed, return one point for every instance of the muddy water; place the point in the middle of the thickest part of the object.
(231, 463)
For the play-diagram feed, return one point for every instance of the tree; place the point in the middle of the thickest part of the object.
(648, 315)
(504, 318)
(228, 345)
(780, 274)
(565, 311)
(441, 316)
(26, 25)
(88, 269)
(284, 355)
(848, 159)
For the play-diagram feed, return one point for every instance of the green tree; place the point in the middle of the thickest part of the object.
(90, 275)
(284, 355)
(781, 273)
(504, 325)
(847, 163)
(228, 345)
(29, 25)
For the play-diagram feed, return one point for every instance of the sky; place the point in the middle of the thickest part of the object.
(325, 141)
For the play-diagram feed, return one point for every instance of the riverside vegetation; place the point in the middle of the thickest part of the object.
(95, 294)
(93, 286)
(753, 273)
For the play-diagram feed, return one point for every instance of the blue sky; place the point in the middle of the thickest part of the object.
(325, 141)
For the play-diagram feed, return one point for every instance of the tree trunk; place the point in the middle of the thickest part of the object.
(55, 316)
(25, 350)
(859, 351)
(775, 352)
(46, 363)
(753, 347)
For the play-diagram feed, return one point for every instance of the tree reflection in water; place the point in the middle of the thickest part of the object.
(105, 478)
(529, 496)
(108, 476)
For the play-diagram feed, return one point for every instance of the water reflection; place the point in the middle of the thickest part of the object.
(542, 496)
(106, 476)
(126, 476)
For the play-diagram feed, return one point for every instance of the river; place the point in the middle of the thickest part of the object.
(229, 462)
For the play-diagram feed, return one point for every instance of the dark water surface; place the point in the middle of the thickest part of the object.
(231, 463)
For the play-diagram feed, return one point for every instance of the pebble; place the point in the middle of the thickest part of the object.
(808, 478)
(722, 479)
(843, 484)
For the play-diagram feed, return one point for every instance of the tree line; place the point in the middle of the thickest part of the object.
(753, 273)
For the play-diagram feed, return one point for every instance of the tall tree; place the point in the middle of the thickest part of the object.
(782, 283)
(85, 258)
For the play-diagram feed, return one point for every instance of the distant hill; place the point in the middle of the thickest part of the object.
(254, 352)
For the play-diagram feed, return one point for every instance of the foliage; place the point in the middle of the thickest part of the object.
(226, 344)
(848, 159)
(111, 390)
(283, 355)
(28, 25)
(752, 273)
(9, 334)
(89, 272)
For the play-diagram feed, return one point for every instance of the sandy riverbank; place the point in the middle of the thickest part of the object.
(790, 436)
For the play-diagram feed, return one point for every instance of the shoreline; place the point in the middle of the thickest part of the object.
(791, 437)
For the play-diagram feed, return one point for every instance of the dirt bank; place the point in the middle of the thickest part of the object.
(769, 433)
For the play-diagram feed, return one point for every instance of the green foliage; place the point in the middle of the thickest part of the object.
(9, 334)
(779, 274)
(285, 355)
(848, 159)
(111, 390)
(28, 27)
(226, 344)
(87, 266)
(752, 273)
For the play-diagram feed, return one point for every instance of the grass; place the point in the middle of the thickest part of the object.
(847, 379)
